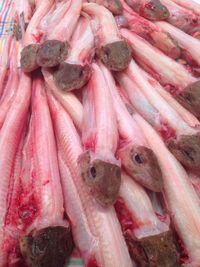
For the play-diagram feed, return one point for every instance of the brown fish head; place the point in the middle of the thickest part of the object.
(51, 53)
(154, 251)
(187, 150)
(28, 58)
(154, 10)
(190, 98)
(102, 178)
(71, 76)
(116, 56)
(141, 163)
(115, 6)
(48, 247)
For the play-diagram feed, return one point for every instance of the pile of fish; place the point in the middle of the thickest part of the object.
(100, 134)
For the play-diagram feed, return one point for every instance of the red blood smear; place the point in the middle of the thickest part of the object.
(92, 262)
(169, 87)
(196, 72)
(192, 67)
(184, 258)
(9, 244)
(166, 131)
(90, 144)
(38, 37)
(12, 215)
(162, 218)
(25, 207)
(28, 211)
(123, 143)
(124, 216)
(172, 89)
(189, 58)
(12, 250)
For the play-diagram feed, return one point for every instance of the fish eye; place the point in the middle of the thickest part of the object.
(138, 159)
(93, 172)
